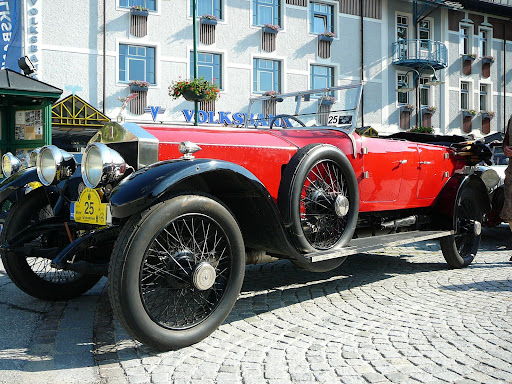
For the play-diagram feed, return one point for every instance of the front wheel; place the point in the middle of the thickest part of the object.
(34, 274)
(176, 271)
(460, 249)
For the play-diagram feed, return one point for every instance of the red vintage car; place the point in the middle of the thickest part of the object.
(172, 214)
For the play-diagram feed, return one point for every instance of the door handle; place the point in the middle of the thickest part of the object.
(403, 161)
(425, 162)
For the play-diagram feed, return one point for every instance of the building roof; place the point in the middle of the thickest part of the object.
(15, 83)
(496, 7)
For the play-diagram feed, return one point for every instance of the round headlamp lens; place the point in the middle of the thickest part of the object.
(93, 166)
(6, 166)
(47, 166)
(490, 178)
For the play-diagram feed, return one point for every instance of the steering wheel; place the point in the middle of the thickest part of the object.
(285, 116)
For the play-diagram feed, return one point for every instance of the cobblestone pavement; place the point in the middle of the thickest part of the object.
(399, 315)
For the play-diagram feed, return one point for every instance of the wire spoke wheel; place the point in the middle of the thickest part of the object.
(460, 249)
(176, 271)
(324, 205)
(35, 275)
(185, 271)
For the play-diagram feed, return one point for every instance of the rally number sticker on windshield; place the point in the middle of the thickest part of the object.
(339, 120)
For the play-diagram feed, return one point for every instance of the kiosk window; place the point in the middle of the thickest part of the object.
(29, 125)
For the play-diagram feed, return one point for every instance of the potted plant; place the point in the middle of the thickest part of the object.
(487, 114)
(271, 28)
(197, 89)
(327, 100)
(139, 10)
(469, 56)
(488, 59)
(429, 109)
(208, 19)
(326, 36)
(407, 108)
(417, 129)
(138, 85)
(468, 112)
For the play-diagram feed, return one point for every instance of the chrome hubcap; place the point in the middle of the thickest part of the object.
(203, 276)
(341, 206)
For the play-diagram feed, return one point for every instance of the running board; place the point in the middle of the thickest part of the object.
(368, 244)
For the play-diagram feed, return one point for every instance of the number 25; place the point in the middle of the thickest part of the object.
(89, 208)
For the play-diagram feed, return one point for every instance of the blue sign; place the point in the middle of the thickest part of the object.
(238, 118)
(154, 111)
(10, 33)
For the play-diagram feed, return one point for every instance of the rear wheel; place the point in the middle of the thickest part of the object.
(35, 275)
(176, 271)
(460, 249)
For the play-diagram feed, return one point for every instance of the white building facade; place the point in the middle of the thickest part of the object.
(97, 48)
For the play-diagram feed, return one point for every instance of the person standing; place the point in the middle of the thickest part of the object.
(506, 213)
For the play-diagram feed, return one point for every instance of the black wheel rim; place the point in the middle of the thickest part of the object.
(167, 289)
(323, 187)
(465, 239)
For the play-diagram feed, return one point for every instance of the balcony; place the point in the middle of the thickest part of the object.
(415, 53)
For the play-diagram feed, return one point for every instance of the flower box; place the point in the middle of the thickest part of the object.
(407, 108)
(192, 96)
(139, 12)
(488, 59)
(325, 38)
(487, 115)
(469, 57)
(327, 101)
(429, 110)
(467, 113)
(138, 88)
(207, 21)
(270, 30)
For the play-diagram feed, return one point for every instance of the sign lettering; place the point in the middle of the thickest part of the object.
(237, 118)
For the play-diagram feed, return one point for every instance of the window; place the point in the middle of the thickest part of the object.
(484, 43)
(424, 92)
(464, 40)
(401, 27)
(267, 12)
(208, 7)
(483, 98)
(322, 16)
(424, 33)
(150, 4)
(136, 63)
(464, 95)
(267, 75)
(322, 77)
(403, 97)
(209, 65)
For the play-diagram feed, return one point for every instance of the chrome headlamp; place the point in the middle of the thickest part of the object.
(10, 164)
(54, 164)
(32, 157)
(489, 176)
(101, 165)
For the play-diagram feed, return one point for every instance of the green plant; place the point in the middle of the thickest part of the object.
(422, 129)
(328, 34)
(139, 8)
(199, 86)
(209, 17)
(272, 26)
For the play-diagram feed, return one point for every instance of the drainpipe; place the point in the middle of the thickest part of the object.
(505, 74)
(104, 52)
(362, 63)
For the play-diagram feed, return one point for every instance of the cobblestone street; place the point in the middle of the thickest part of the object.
(400, 315)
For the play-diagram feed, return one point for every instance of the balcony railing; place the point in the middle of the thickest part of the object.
(416, 52)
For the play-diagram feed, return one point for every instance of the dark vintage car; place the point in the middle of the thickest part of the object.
(172, 214)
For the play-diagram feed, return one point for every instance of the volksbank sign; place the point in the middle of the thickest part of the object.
(237, 118)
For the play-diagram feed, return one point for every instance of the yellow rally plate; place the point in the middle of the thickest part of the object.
(89, 208)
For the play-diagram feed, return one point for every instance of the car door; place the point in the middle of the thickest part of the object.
(383, 164)
(432, 168)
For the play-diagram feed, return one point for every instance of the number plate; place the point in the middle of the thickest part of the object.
(339, 120)
(89, 208)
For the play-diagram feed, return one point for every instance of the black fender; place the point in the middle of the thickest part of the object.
(17, 185)
(444, 207)
(236, 187)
